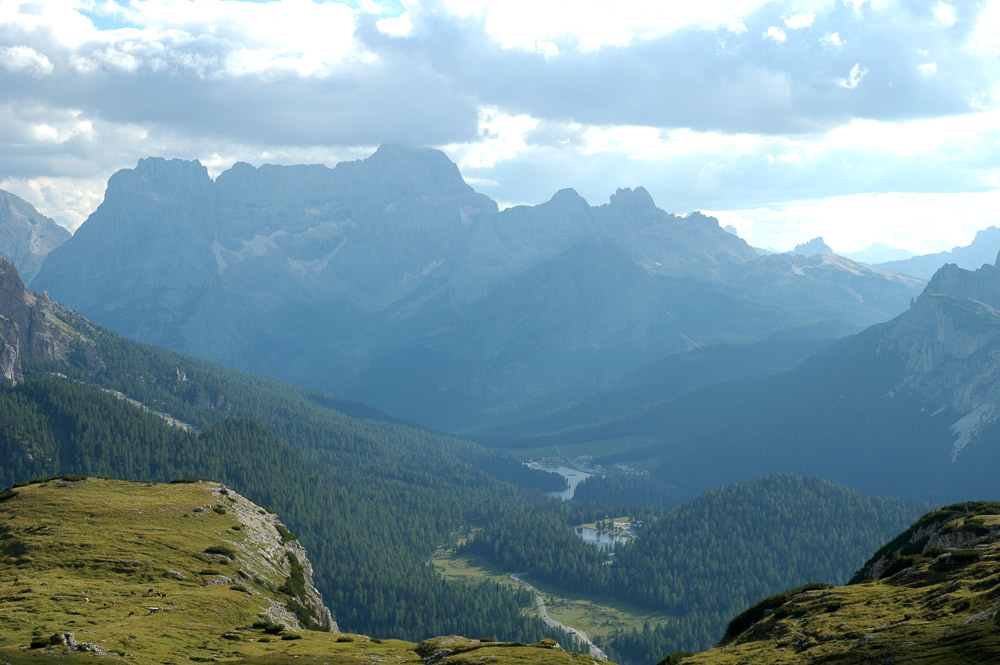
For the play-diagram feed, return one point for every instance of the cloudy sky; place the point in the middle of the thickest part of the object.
(859, 120)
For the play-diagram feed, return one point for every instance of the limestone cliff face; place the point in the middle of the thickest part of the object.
(26, 236)
(949, 343)
(32, 327)
(271, 552)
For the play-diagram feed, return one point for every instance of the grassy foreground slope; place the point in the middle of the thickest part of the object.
(930, 596)
(104, 570)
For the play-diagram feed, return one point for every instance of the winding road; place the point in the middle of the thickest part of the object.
(595, 651)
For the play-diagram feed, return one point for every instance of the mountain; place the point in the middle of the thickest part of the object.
(129, 572)
(391, 281)
(879, 253)
(812, 248)
(906, 408)
(983, 250)
(27, 236)
(928, 596)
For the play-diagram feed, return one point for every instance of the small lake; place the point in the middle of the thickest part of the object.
(602, 539)
(573, 476)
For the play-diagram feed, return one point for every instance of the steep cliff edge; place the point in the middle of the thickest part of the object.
(136, 567)
(32, 327)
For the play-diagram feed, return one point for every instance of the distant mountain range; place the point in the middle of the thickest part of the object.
(873, 255)
(906, 408)
(391, 281)
(983, 250)
(879, 253)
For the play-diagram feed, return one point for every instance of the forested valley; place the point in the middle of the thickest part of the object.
(705, 561)
(371, 499)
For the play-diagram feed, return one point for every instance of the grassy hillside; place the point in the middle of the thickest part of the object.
(178, 573)
(930, 596)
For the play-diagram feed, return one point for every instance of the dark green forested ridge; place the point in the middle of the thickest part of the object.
(708, 559)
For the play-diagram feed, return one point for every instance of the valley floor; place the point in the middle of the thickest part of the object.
(597, 618)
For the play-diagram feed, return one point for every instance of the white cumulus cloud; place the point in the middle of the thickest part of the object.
(945, 14)
(776, 33)
(596, 24)
(854, 78)
(24, 59)
(799, 21)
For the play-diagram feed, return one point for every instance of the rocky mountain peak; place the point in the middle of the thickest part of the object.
(946, 343)
(812, 248)
(982, 285)
(632, 201)
(568, 199)
(709, 221)
(141, 197)
(165, 171)
(422, 171)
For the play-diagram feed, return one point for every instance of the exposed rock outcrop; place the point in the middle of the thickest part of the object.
(33, 327)
(273, 553)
